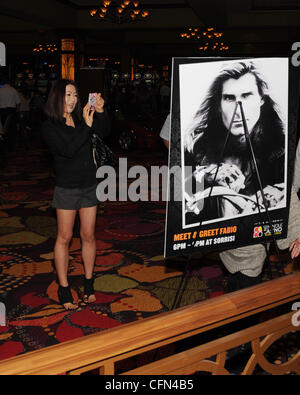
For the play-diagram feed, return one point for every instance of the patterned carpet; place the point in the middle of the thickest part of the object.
(132, 279)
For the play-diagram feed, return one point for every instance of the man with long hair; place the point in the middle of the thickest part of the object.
(219, 121)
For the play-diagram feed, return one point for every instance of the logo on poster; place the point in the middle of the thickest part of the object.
(258, 232)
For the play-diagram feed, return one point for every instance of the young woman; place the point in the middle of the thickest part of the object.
(67, 132)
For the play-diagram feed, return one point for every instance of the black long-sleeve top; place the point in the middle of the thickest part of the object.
(72, 150)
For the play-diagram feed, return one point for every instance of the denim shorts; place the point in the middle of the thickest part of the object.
(74, 198)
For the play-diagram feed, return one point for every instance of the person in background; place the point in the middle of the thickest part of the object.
(67, 132)
(9, 104)
(37, 105)
(19, 81)
(165, 92)
(9, 99)
(30, 82)
(165, 131)
(3, 158)
(23, 117)
(42, 84)
(296, 180)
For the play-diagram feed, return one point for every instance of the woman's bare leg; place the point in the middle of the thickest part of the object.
(87, 234)
(65, 224)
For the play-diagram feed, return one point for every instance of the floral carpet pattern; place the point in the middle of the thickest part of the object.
(132, 280)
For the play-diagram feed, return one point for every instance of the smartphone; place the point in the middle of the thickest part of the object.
(93, 100)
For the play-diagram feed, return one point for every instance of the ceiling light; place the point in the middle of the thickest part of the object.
(119, 11)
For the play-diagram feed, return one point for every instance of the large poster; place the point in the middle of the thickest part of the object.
(232, 145)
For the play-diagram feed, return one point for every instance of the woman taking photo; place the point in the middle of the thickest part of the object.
(67, 132)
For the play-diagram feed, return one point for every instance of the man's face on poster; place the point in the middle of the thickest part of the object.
(244, 90)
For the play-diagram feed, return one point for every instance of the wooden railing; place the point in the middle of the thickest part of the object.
(104, 350)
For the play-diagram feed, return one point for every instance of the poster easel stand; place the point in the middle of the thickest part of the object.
(254, 169)
(253, 163)
(181, 286)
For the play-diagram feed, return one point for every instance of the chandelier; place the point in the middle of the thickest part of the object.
(45, 48)
(119, 11)
(209, 39)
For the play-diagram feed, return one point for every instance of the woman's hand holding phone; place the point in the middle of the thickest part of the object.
(88, 115)
(96, 102)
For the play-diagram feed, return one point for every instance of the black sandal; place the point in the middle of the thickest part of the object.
(88, 289)
(65, 296)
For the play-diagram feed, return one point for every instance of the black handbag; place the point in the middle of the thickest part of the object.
(102, 154)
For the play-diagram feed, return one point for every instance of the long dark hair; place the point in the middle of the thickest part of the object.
(208, 129)
(54, 108)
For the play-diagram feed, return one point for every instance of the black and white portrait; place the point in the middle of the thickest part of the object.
(218, 101)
